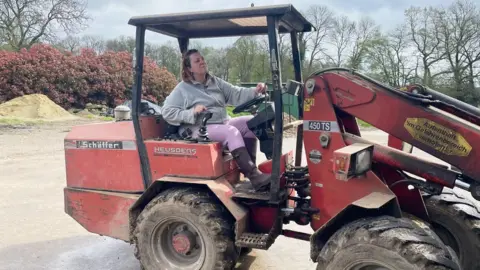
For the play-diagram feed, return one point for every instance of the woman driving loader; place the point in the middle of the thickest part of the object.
(200, 91)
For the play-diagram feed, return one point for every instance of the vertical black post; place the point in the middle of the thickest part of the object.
(297, 65)
(136, 99)
(183, 43)
(277, 90)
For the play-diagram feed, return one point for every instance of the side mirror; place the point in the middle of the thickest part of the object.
(293, 87)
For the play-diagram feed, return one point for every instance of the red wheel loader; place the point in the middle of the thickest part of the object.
(181, 202)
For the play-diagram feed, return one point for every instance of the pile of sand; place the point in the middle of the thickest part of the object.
(35, 106)
(291, 132)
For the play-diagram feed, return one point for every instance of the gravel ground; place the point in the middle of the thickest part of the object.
(37, 234)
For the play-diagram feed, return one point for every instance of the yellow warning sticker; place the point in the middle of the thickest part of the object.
(440, 138)
(307, 103)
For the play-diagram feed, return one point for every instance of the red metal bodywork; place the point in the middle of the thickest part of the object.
(194, 160)
(262, 218)
(103, 184)
(342, 96)
(119, 169)
(100, 212)
(104, 180)
(425, 127)
(329, 195)
(107, 169)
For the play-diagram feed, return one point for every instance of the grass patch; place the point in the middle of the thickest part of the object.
(363, 124)
(231, 114)
(12, 121)
(97, 117)
(107, 118)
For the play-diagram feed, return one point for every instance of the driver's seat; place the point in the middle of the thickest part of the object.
(172, 133)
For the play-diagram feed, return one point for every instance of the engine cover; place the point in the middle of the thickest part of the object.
(185, 159)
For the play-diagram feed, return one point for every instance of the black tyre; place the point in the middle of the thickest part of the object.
(456, 220)
(385, 243)
(185, 228)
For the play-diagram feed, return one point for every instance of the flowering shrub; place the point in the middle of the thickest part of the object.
(75, 80)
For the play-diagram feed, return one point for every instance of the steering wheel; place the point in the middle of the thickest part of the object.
(246, 105)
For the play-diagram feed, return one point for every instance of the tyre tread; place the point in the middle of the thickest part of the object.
(419, 246)
(460, 208)
(212, 215)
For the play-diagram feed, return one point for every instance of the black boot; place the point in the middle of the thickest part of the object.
(251, 145)
(259, 180)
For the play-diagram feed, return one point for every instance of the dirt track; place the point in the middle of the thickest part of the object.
(37, 234)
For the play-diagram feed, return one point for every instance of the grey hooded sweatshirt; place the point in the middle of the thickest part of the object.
(214, 95)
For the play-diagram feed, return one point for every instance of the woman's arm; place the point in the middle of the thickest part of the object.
(173, 111)
(235, 95)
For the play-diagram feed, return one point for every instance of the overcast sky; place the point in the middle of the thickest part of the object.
(110, 17)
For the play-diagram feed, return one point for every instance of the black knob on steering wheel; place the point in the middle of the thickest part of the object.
(246, 105)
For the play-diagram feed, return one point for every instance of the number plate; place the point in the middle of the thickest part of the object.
(324, 126)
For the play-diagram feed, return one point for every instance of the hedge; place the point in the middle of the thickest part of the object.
(75, 80)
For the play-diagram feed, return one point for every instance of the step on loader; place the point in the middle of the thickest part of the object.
(183, 205)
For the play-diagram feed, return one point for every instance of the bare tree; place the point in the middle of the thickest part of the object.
(340, 37)
(364, 31)
(26, 22)
(471, 49)
(459, 34)
(389, 58)
(71, 44)
(95, 43)
(75, 43)
(313, 43)
(425, 36)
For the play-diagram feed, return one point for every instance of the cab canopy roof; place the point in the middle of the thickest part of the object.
(224, 23)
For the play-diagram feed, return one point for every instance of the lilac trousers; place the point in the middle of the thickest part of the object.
(231, 133)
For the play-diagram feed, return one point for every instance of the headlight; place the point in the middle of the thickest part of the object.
(352, 160)
(363, 161)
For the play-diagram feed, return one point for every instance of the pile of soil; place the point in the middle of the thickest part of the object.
(97, 109)
(92, 111)
(84, 113)
(33, 107)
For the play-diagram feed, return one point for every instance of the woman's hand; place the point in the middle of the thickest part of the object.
(261, 88)
(199, 108)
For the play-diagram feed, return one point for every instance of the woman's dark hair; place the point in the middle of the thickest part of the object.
(186, 75)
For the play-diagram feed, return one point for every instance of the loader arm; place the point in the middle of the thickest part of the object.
(442, 126)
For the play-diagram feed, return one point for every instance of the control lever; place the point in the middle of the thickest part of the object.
(187, 136)
(202, 133)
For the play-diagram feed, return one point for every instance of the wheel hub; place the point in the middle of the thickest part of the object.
(177, 244)
(184, 241)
